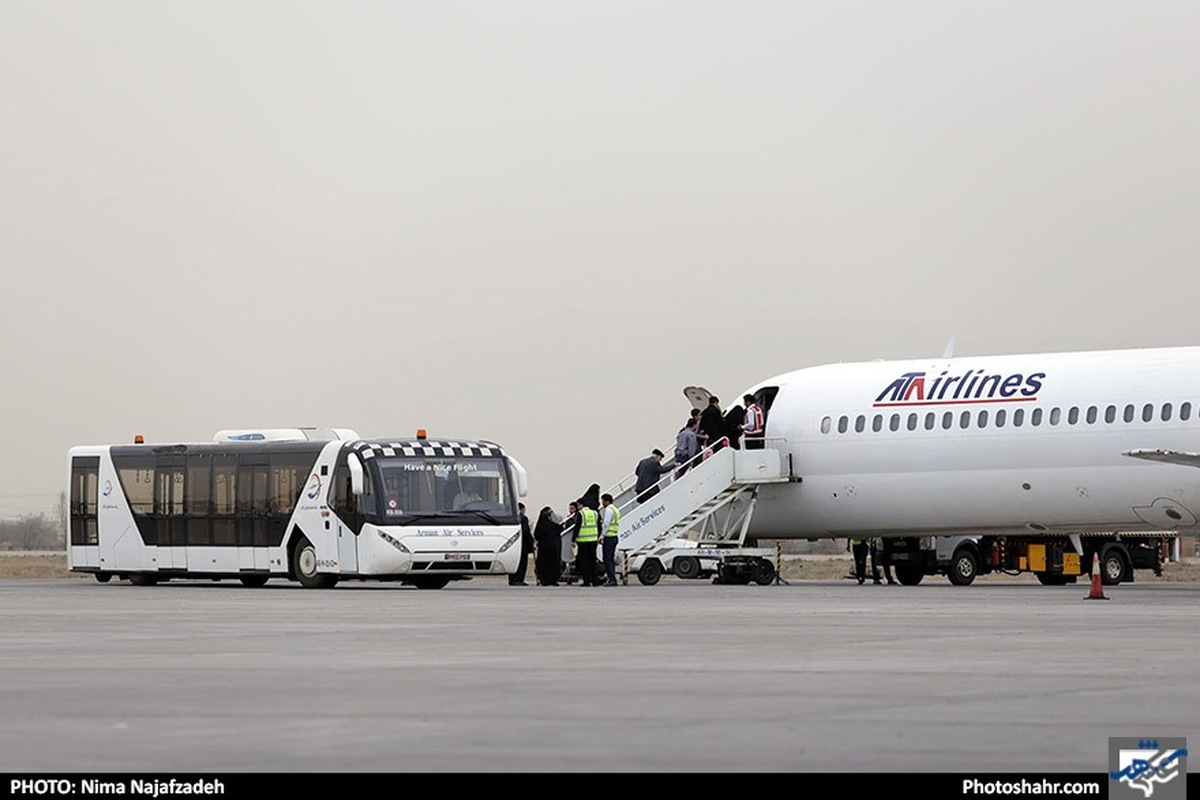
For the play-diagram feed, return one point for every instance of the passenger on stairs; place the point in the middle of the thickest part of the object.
(734, 418)
(687, 446)
(712, 423)
(700, 437)
(648, 472)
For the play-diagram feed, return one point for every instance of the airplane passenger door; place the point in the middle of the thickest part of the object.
(765, 397)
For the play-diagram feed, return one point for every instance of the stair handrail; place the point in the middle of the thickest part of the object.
(698, 458)
(618, 487)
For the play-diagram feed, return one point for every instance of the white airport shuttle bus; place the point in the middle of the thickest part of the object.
(1032, 446)
(309, 505)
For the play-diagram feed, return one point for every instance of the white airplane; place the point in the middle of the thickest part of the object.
(1014, 444)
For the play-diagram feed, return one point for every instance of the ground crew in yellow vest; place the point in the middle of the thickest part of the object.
(587, 535)
(612, 529)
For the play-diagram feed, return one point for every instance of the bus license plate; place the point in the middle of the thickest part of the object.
(458, 556)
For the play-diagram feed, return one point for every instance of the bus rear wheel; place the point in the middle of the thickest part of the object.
(304, 563)
(103, 577)
(908, 574)
(143, 579)
(254, 581)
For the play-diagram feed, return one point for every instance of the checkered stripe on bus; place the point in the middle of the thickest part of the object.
(424, 447)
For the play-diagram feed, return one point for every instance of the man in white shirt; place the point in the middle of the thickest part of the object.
(610, 526)
(754, 428)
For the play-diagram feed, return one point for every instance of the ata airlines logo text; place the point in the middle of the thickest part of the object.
(912, 389)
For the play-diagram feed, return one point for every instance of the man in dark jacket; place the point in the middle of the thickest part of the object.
(648, 471)
(712, 423)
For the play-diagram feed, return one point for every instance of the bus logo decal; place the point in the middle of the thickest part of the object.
(314, 486)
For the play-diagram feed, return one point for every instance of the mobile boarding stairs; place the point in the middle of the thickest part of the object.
(695, 524)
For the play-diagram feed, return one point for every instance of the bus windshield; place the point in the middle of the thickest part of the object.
(415, 489)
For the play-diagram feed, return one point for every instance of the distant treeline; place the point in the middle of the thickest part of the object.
(31, 532)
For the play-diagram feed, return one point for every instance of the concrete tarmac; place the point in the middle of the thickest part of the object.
(684, 676)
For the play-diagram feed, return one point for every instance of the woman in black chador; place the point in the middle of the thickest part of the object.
(547, 533)
(591, 498)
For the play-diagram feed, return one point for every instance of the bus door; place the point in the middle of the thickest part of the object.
(85, 539)
(346, 518)
(253, 509)
(169, 514)
(289, 483)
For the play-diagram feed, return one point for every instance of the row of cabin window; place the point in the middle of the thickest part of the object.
(1001, 418)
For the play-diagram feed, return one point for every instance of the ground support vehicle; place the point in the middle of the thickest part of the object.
(1054, 559)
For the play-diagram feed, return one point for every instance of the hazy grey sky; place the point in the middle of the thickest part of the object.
(535, 222)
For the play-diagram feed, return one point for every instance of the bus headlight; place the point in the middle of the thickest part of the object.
(512, 540)
(394, 542)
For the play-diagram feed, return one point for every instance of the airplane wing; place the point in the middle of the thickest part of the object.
(1167, 457)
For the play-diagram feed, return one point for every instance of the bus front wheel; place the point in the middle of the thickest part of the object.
(304, 562)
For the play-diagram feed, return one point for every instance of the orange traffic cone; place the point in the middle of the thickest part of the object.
(1097, 592)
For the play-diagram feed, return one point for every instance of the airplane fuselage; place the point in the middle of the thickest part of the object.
(1000, 444)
